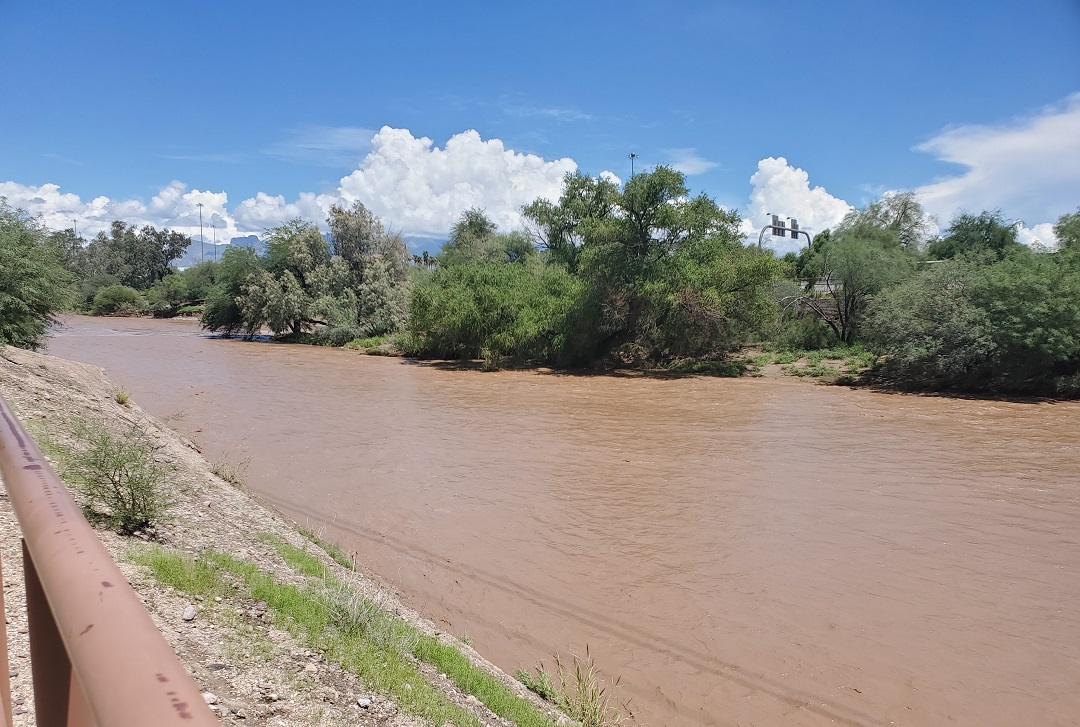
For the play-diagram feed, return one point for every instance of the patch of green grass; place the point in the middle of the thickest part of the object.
(357, 616)
(194, 576)
(122, 396)
(350, 629)
(304, 613)
(298, 559)
(332, 549)
(369, 342)
(787, 357)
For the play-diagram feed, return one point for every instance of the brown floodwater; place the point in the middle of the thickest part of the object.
(741, 552)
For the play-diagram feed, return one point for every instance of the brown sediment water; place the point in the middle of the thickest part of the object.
(741, 552)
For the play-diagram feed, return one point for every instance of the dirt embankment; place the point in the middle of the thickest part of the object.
(253, 672)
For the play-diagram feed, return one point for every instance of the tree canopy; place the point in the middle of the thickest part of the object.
(34, 283)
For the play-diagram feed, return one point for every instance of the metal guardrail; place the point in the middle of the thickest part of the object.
(96, 657)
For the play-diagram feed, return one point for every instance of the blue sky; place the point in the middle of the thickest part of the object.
(267, 110)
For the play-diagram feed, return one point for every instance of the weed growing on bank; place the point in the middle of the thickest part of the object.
(122, 397)
(577, 689)
(222, 469)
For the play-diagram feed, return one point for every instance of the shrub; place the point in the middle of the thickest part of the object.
(34, 285)
(335, 335)
(118, 477)
(118, 299)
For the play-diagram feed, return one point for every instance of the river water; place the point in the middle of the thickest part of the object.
(741, 552)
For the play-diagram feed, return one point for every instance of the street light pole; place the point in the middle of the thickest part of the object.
(633, 156)
(202, 241)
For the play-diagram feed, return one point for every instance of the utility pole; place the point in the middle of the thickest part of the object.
(633, 156)
(75, 227)
(214, 225)
(202, 243)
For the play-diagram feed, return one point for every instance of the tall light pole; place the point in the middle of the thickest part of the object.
(633, 156)
(214, 225)
(202, 243)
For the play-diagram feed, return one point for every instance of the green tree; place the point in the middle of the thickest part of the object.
(1067, 231)
(34, 284)
(848, 271)
(378, 266)
(665, 274)
(222, 312)
(970, 233)
(584, 207)
(492, 310)
(977, 323)
(476, 238)
(897, 212)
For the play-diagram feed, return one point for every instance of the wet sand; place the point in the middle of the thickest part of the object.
(762, 552)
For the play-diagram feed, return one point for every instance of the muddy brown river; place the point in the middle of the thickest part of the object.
(741, 552)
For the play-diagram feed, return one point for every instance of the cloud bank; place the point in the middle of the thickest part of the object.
(1029, 168)
(422, 189)
(415, 186)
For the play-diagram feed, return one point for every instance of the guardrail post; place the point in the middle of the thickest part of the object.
(5, 666)
(58, 699)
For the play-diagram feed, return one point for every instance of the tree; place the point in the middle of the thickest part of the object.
(492, 310)
(584, 206)
(899, 212)
(664, 274)
(34, 284)
(850, 269)
(378, 263)
(1067, 231)
(222, 312)
(970, 233)
(137, 258)
(475, 238)
(977, 323)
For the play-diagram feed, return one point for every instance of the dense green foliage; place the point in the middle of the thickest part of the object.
(34, 283)
(353, 284)
(976, 323)
(120, 299)
(645, 276)
(134, 257)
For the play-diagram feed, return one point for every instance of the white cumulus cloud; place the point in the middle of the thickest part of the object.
(782, 189)
(1029, 168)
(422, 189)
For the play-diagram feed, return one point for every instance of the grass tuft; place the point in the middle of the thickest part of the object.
(332, 549)
(122, 396)
(581, 692)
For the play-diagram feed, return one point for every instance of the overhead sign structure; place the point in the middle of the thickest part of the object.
(780, 228)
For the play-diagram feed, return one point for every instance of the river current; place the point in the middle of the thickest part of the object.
(740, 552)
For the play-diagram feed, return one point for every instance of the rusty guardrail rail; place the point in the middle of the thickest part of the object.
(96, 657)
